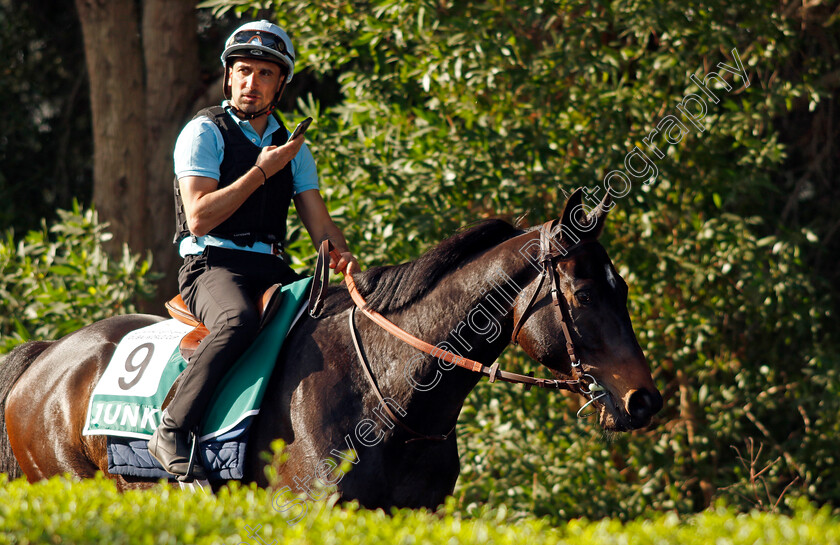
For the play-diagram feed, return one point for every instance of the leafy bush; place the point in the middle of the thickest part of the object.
(58, 279)
(89, 512)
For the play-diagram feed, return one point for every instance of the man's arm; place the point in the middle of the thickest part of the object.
(207, 207)
(313, 213)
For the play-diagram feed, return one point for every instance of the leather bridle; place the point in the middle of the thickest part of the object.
(549, 254)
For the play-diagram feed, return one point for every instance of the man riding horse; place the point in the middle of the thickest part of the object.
(553, 290)
(236, 175)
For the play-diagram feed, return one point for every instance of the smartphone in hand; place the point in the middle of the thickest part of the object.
(300, 129)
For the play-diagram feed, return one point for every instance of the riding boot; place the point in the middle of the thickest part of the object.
(171, 446)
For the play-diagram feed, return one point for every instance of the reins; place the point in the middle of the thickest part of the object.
(492, 372)
(548, 257)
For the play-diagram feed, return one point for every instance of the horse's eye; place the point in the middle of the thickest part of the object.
(584, 297)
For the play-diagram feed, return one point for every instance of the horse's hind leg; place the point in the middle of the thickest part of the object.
(47, 406)
(46, 444)
(43, 445)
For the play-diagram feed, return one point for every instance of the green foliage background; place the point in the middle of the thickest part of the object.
(58, 279)
(454, 111)
(45, 133)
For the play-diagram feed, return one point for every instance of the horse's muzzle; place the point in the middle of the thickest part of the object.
(641, 405)
(633, 412)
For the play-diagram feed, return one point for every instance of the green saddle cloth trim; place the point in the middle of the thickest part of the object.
(242, 388)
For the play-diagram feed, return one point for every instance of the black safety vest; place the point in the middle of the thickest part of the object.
(262, 217)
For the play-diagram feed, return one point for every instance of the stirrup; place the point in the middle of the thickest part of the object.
(189, 477)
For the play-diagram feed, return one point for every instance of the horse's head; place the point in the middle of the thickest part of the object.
(592, 300)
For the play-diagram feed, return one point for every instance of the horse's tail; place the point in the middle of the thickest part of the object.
(11, 368)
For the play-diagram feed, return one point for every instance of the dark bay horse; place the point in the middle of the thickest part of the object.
(469, 295)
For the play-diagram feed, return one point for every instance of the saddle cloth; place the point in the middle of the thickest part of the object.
(126, 402)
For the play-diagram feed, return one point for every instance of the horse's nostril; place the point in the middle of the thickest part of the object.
(643, 404)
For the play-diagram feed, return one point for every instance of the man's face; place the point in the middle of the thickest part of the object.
(254, 83)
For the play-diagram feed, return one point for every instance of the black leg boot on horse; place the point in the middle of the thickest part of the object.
(174, 449)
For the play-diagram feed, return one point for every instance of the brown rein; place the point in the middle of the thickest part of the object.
(547, 257)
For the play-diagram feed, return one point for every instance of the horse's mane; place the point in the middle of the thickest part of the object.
(394, 287)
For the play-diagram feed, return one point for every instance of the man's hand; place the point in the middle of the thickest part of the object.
(272, 159)
(346, 265)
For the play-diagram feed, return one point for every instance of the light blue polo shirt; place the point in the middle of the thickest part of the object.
(199, 151)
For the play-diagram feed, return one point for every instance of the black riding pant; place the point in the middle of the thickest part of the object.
(220, 288)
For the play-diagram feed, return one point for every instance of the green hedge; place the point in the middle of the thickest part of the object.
(93, 511)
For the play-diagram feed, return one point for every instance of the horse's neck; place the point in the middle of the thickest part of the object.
(481, 296)
(469, 312)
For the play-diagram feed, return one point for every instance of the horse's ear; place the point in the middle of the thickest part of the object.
(582, 225)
